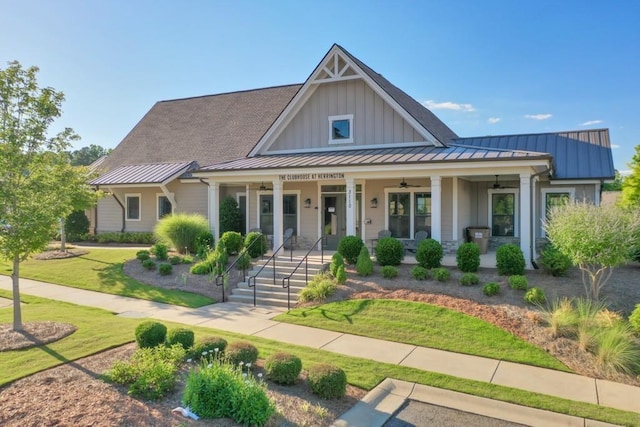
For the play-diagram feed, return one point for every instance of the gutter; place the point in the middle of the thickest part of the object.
(532, 236)
(121, 206)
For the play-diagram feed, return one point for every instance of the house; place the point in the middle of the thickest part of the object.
(344, 153)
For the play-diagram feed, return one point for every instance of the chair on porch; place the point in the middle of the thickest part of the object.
(287, 238)
(412, 245)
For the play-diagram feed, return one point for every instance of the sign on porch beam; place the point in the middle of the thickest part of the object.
(311, 176)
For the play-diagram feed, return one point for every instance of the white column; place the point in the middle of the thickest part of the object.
(277, 214)
(214, 209)
(436, 208)
(525, 217)
(454, 210)
(351, 207)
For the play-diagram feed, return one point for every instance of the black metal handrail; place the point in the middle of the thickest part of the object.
(306, 270)
(272, 257)
(233, 264)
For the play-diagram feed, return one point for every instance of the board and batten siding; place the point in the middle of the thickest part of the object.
(190, 198)
(374, 121)
(109, 215)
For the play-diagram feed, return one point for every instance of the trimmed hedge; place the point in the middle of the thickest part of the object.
(327, 381)
(181, 336)
(429, 253)
(510, 260)
(283, 368)
(349, 247)
(468, 257)
(389, 251)
(150, 333)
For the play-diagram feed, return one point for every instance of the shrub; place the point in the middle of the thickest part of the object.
(161, 251)
(535, 296)
(181, 230)
(181, 336)
(364, 265)
(468, 257)
(208, 345)
(349, 247)
(468, 279)
(554, 261)
(165, 269)
(283, 368)
(429, 253)
(143, 255)
(634, 319)
(327, 381)
(175, 260)
(510, 260)
(389, 251)
(241, 351)
(562, 318)
(149, 264)
(257, 249)
(187, 259)
(336, 261)
(230, 215)
(201, 269)
(341, 275)
(150, 333)
(389, 272)
(318, 289)
(491, 289)
(419, 273)
(232, 241)
(76, 226)
(211, 264)
(204, 243)
(518, 282)
(244, 262)
(616, 348)
(440, 274)
(113, 237)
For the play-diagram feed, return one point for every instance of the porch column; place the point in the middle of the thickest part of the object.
(436, 208)
(525, 217)
(277, 214)
(214, 209)
(351, 207)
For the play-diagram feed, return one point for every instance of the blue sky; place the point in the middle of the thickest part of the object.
(484, 67)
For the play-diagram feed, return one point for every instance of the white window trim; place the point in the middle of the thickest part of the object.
(284, 193)
(543, 202)
(412, 191)
(126, 206)
(516, 208)
(341, 117)
(158, 195)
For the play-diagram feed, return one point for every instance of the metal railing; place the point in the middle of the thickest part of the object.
(233, 264)
(271, 258)
(305, 259)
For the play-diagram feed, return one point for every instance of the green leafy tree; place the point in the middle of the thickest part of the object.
(87, 155)
(617, 183)
(595, 238)
(35, 176)
(631, 184)
(230, 216)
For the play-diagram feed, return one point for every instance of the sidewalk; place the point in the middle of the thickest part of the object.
(255, 321)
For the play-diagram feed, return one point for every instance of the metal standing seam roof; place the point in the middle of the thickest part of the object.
(152, 173)
(378, 156)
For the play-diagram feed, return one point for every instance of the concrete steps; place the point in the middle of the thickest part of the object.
(269, 293)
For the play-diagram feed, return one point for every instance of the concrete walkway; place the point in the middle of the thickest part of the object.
(256, 321)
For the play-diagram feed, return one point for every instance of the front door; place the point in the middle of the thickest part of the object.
(333, 220)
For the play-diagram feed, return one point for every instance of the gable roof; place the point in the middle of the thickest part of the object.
(148, 173)
(207, 129)
(592, 147)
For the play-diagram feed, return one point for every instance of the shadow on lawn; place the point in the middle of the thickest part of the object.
(336, 316)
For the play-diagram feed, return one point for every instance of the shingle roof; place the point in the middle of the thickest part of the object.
(592, 147)
(148, 173)
(377, 156)
(423, 115)
(207, 129)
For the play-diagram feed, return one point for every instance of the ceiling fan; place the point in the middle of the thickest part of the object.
(404, 184)
(498, 186)
(264, 188)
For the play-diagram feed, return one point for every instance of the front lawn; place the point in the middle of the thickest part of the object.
(423, 325)
(101, 270)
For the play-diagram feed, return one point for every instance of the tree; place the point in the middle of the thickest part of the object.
(87, 155)
(617, 183)
(595, 238)
(229, 215)
(631, 184)
(35, 176)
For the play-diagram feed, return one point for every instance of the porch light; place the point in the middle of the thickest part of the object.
(307, 203)
(374, 202)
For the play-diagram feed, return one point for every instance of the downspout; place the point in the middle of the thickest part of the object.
(122, 207)
(532, 229)
(95, 215)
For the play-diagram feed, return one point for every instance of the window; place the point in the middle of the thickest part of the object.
(341, 129)
(399, 215)
(132, 206)
(289, 213)
(503, 210)
(554, 197)
(422, 212)
(266, 214)
(164, 206)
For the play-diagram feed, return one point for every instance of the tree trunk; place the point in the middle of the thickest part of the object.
(63, 237)
(17, 309)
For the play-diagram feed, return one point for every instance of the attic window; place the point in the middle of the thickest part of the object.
(341, 129)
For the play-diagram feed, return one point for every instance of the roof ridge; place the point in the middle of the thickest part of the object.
(230, 92)
(532, 133)
(495, 149)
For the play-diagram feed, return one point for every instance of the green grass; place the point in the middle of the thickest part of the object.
(101, 270)
(423, 325)
(99, 330)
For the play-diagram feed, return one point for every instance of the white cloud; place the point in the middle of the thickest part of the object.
(591, 122)
(493, 120)
(615, 146)
(538, 116)
(625, 172)
(448, 105)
